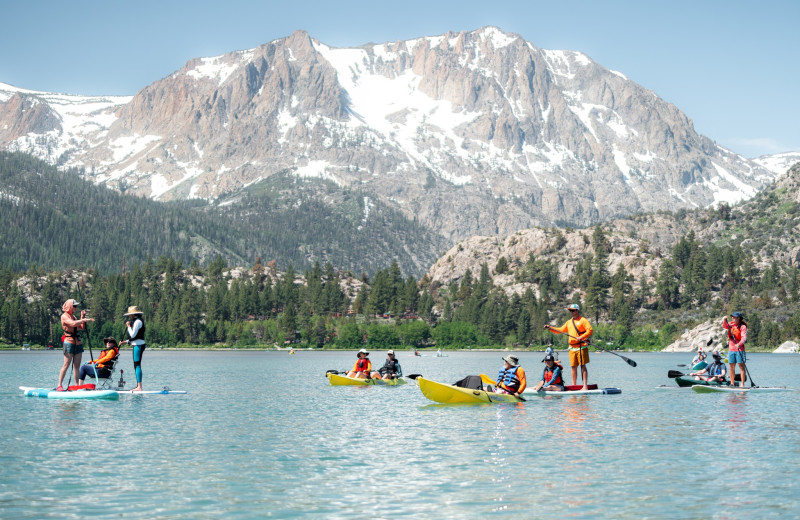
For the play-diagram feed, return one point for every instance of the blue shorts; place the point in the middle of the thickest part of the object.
(736, 356)
(71, 348)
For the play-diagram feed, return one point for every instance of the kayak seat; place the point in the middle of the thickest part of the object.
(471, 382)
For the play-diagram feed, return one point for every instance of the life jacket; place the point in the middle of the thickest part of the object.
(70, 333)
(391, 366)
(363, 365)
(140, 333)
(715, 369)
(508, 377)
(548, 374)
(109, 363)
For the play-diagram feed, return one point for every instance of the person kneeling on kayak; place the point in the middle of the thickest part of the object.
(101, 367)
(390, 369)
(363, 366)
(551, 376)
(713, 373)
(511, 378)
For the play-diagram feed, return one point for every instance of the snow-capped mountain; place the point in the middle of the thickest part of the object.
(469, 133)
(779, 163)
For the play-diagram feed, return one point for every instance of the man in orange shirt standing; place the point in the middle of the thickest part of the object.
(579, 330)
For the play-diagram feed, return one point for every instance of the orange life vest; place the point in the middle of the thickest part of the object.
(548, 374)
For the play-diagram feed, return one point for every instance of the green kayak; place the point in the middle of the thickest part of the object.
(687, 381)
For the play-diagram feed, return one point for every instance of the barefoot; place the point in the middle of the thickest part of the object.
(585, 388)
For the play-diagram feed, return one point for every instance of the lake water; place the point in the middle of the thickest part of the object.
(262, 434)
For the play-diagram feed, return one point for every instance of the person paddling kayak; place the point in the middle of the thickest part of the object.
(362, 367)
(511, 378)
(737, 337)
(699, 358)
(391, 368)
(713, 373)
(579, 330)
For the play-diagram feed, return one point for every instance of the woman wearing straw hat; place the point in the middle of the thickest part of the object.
(136, 335)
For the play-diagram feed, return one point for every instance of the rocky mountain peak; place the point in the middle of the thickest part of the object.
(470, 133)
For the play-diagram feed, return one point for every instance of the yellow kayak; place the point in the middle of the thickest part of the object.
(341, 380)
(450, 394)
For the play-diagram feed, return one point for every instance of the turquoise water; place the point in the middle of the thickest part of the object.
(262, 434)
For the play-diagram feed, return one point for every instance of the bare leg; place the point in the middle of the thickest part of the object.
(732, 371)
(63, 371)
(743, 372)
(76, 366)
(585, 377)
(574, 370)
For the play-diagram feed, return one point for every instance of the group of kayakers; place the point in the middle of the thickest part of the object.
(736, 330)
(102, 366)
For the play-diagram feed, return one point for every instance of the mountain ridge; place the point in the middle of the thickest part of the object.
(476, 132)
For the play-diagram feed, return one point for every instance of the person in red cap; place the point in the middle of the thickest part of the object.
(579, 330)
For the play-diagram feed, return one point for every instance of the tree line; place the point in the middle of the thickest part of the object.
(324, 307)
(52, 218)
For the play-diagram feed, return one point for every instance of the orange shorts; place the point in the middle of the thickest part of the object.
(578, 357)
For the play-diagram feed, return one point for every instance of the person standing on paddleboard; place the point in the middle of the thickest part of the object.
(135, 330)
(737, 337)
(579, 330)
(73, 350)
(511, 378)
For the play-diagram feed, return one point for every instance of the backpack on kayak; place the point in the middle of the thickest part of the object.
(471, 382)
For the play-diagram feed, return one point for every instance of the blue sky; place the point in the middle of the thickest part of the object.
(732, 66)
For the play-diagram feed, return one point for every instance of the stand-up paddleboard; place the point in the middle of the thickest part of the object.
(701, 389)
(165, 391)
(575, 390)
(49, 393)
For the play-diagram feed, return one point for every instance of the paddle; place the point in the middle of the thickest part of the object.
(672, 374)
(489, 381)
(752, 384)
(588, 342)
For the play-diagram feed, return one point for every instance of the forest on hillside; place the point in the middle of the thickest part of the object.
(323, 307)
(55, 220)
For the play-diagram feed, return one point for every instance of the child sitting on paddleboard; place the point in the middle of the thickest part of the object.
(552, 379)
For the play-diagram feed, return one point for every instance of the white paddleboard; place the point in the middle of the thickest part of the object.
(574, 392)
(151, 392)
(705, 389)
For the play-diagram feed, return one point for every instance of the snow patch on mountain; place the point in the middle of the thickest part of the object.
(779, 163)
(220, 67)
